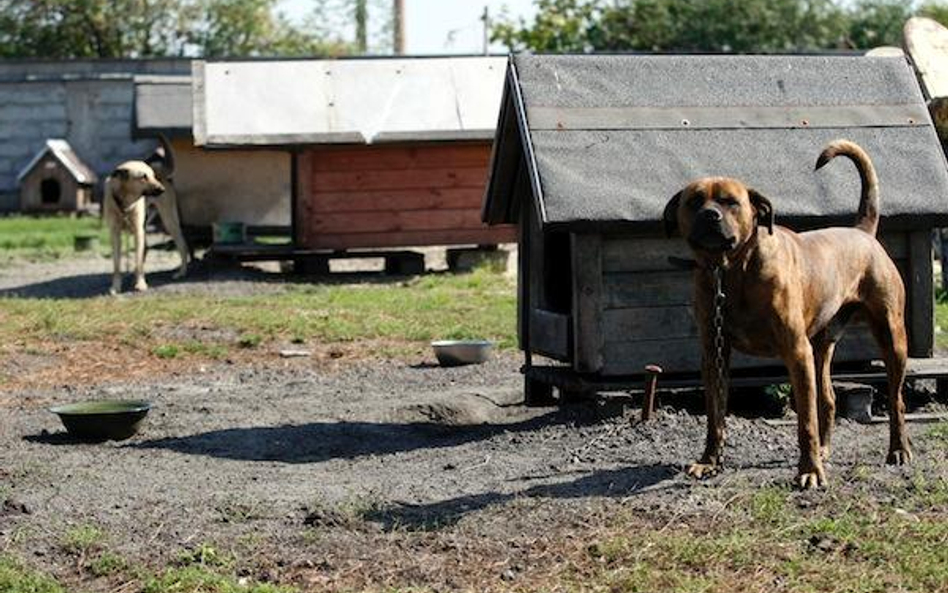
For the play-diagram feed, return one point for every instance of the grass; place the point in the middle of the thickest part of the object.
(45, 238)
(480, 304)
(847, 544)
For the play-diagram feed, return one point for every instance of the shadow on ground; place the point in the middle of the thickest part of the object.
(616, 483)
(84, 286)
(324, 441)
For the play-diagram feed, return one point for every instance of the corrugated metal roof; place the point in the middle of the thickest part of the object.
(609, 139)
(346, 101)
(63, 153)
(162, 105)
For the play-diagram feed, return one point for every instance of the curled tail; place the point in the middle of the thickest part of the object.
(868, 217)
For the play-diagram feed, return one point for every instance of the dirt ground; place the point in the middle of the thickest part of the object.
(369, 473)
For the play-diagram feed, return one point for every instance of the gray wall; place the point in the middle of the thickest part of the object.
(87, 102)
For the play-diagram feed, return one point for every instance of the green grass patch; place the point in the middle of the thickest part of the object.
(82, 539)
(45, 238)
(198, 579)
(767, 543)
(14, 578)
(481, 304)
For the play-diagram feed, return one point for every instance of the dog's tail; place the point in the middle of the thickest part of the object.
(868, 217)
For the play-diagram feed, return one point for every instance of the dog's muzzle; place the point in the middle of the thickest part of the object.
(710, 233)
(154, 191)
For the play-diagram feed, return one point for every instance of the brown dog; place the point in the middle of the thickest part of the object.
(789, 295)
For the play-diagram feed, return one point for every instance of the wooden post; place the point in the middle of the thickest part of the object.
(586, 249)
(921, 296)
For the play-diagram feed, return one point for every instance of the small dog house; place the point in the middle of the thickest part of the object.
(56, 180)
(386, 152)
(590, 148)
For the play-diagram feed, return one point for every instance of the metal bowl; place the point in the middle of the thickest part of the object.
(104, 419)
(452, 353)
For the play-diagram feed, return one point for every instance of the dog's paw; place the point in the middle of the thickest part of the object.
(702, 470)
(902, 456)
(811, 478)
(141, 286)
(114, 291)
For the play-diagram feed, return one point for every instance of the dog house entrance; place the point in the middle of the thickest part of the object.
(50, 191)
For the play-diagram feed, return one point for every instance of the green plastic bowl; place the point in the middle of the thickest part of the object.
(104, 419)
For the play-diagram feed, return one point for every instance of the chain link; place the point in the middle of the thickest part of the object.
(718, 323)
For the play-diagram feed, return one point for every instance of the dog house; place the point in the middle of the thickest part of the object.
(386, 152)
(590, 148)
(56, 180)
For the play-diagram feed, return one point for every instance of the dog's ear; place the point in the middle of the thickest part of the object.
(670, 215)
(765, 210)
(120, 174)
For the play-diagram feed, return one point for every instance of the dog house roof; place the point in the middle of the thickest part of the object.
(162, 106)
(608, 139)
(64, 154)
(346, 101)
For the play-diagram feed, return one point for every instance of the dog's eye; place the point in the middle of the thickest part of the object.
(728, 201)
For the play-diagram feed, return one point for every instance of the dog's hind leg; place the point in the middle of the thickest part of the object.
(167, 204)
(888, 327)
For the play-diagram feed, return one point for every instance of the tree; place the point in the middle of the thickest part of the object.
(91, 28)
(150, 28)
(711, 25)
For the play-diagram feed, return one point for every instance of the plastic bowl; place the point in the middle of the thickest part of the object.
(452, 353)
(104, 419)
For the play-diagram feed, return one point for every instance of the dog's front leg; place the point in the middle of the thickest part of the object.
(802, 370)
(715, 374)
(137, 218)
(115, 234)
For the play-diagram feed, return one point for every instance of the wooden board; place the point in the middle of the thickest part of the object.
(926, 42)
(587, 304)
(394, 196)
(683, 354)
(549, 334)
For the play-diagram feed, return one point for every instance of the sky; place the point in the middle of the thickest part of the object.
(440, 26)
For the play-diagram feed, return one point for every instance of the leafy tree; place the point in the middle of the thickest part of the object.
(150, 28)
(711, 25)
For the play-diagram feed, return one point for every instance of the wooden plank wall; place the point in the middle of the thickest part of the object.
(647, 309)
(394, 196)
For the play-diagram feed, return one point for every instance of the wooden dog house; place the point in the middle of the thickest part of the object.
(590, 148)
(386, 152)
(56, 180)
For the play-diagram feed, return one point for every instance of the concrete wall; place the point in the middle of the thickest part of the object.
(249, 186)
(87, 102)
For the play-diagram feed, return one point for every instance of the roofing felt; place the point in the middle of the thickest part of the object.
(162, 105)
(346, 101)
(62, 152)
(612, 138)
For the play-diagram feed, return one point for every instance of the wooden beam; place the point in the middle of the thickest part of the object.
(920, 314)
(586, 250)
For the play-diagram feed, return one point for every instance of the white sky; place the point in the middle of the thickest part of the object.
(439, 26)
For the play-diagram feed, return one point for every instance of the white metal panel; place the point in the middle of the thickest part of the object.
(348, 101)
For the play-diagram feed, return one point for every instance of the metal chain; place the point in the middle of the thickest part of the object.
(718, 322)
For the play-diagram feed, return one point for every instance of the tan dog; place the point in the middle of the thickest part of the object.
(124, 208)
(790, 295)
